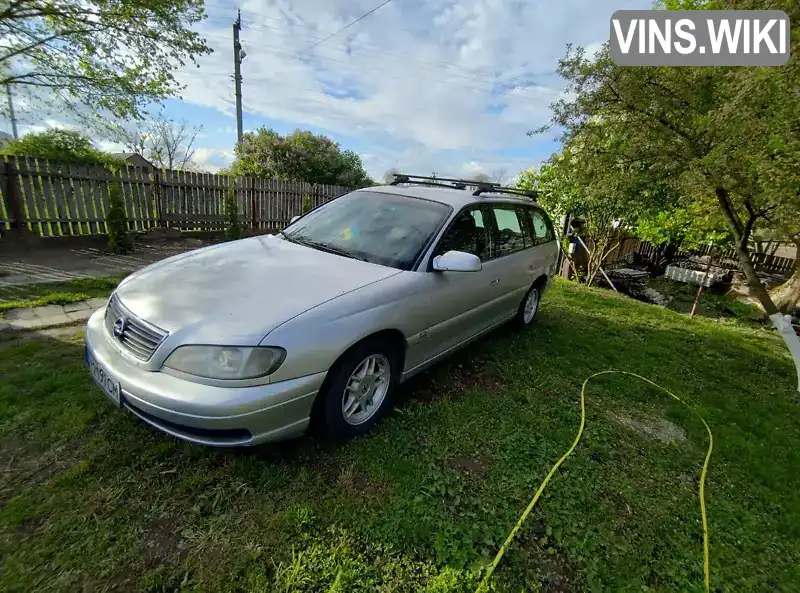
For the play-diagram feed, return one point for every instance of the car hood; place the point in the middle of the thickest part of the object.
(238, 292)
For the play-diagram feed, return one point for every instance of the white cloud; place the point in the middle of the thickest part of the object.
(426, 86)
(110, 146)
(212, 159)
(446, 87)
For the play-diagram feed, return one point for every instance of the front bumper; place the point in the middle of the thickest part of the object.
(203, 414)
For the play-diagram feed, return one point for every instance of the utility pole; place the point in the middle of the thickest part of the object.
(238, 54)
(11, 111)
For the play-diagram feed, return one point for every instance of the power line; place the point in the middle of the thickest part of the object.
(490, 91)
(372, 48)
(347, 26)
(504, 82)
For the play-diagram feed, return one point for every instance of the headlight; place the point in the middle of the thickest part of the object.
(225, 362)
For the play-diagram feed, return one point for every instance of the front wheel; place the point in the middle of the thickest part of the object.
(528, 308)
(358, 392)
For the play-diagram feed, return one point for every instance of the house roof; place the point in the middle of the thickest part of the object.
(126, 156)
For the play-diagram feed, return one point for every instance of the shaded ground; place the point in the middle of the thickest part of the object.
(93, 500)
(56, 293)
(714, 302)
(64, 263)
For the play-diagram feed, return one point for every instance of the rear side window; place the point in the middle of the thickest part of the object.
(507, 236)
(542, 230)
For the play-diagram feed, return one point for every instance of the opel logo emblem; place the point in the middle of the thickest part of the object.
(119, 328)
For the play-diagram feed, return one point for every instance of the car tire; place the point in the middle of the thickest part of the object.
(526, 316)
(343, 410)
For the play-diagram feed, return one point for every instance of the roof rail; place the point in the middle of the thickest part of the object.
(481, 187)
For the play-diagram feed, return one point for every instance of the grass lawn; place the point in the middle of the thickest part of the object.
(56, 293)
(93, 500)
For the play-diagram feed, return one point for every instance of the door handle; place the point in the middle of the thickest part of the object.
(495, 282)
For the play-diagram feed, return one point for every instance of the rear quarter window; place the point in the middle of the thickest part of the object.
(541, 225)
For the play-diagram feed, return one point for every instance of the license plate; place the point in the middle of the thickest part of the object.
(104, 380)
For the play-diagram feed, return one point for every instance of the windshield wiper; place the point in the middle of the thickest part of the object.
(322, 246)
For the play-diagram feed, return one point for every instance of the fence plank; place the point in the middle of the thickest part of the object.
(72, 199)
(30, 206)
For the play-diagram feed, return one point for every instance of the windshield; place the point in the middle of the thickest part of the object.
(385, 229)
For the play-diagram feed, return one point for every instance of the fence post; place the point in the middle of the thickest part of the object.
(12, 197)
(159, 198)
(253, 204)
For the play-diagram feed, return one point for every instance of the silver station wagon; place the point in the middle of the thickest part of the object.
(255, 340)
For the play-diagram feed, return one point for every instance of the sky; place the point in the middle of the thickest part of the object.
(422, 86)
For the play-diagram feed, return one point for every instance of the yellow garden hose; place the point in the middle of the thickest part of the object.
(483, 586)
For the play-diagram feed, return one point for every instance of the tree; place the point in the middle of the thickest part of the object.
(58, 144)
(165, 143)
(481, 178)
(119, 240)
(678, 126)
(499, 175)
(568, 184)
(388, 177)
(233, 227)
(114, 56)
(299, 156)
(722, 136)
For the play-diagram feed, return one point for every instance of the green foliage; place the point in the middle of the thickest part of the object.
(300, 156)
(428, 497)
(699, 145)
(115, 57)
(233, 227)
(683, 225)
(119, 240)
(60, 145)
(567, 184)
(308, 205)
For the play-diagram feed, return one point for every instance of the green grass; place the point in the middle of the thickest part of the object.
(94, 500)
(56, 293)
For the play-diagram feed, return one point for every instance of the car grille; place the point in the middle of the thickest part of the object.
(138, 337)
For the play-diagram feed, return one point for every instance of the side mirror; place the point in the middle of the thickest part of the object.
(457, 261)
(293, 219)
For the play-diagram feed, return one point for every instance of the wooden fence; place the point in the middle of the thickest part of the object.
(763, 262)
(55, 199)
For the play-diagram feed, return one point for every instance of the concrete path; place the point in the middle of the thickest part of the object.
(35, 318)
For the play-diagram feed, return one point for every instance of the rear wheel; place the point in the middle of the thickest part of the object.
(529, 307)
(358, 391)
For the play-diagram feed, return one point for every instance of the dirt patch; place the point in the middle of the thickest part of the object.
(161, 542)
(67, 333)
(544, 561)
(23, 466)
(356, 484)
(453, 380)
(472, 466)
(656, 429)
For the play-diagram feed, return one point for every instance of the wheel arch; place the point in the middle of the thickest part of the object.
(540, 283)
(394, 337)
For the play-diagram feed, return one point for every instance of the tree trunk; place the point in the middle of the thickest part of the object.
(780, 321)
(742, 253)
(787, 295)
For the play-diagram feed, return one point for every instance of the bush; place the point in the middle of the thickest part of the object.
(233, 228)
(61, 145)
(307, 203)
(117, 221)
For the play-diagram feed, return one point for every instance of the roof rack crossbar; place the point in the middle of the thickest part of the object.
(481, 187)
